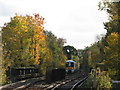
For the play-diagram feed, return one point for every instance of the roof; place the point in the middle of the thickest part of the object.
(70, 61)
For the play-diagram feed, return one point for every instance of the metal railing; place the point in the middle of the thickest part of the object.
(19, 73)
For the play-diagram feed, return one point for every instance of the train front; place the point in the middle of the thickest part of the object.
(70, 66)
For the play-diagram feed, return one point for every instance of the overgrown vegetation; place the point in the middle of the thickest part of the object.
(99, 80)
(107, 50)
(25, 43)
(111, 42)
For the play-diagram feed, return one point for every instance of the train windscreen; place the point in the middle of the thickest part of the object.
(66, 64)
(72, 64)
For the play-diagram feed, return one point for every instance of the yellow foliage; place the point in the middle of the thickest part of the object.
(112, 52)
(23, 37)
(113, 39)
(113, 42)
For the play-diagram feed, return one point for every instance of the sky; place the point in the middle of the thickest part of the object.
(77, 21)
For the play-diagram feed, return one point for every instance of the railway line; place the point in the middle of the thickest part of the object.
(70, 82)
(20, 85)
(69, 85)
(59, 78)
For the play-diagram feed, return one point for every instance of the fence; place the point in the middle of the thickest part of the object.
(116, 84)
(19, 73)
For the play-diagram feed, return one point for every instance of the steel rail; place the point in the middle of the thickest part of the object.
(63, 83)
(79, 83)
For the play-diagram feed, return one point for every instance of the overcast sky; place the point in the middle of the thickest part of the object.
(77, 21)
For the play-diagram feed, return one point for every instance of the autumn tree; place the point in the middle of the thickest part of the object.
(113, 24)
(113, 10)
(25, 42)
(22, 38)
(37, 37)
(112, 54)
(112, 39)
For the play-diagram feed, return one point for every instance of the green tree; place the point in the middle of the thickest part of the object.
(113, 10)
(94, 55)
(56, 48)
(69, 51)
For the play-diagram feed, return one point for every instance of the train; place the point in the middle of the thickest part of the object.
(71, 66)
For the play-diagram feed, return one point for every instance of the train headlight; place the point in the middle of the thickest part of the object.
(72, 67)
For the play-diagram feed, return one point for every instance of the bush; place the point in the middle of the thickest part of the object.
(90, 80)
(102, 80)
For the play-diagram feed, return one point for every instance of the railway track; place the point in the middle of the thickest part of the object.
(20, 85)
(71, 82)
(70, 85)
(79, 83)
